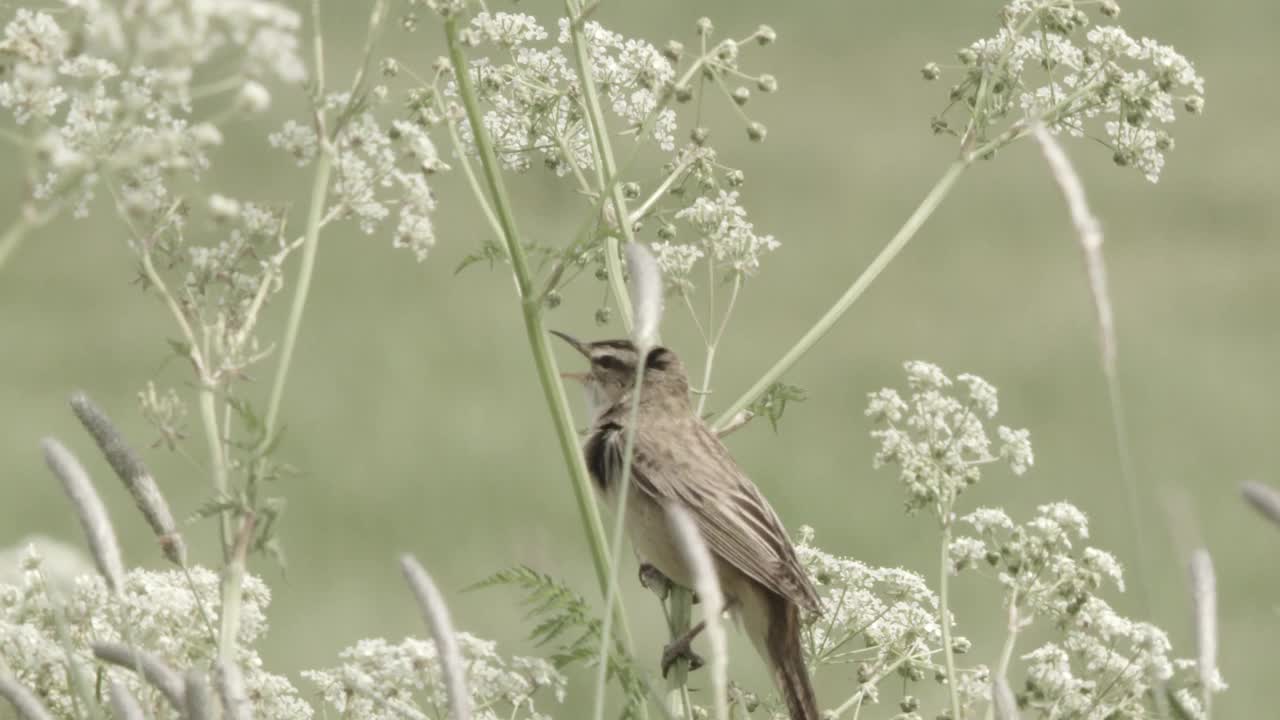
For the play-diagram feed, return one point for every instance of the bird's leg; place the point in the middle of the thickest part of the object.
(682, 647)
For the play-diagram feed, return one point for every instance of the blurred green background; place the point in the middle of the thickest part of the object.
(416, 419)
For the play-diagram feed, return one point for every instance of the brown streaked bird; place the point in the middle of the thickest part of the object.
(679, 460)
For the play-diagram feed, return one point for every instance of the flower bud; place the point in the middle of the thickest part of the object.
(765, 35)
(909, 704)
(931, 71)
(390, 67)
(967, 56)
(704, 26)
(727, 51)
(673, 50)
(684, 93)
(1195, 105)
(700, 136)
(767, 83)
(631, 190)
(553, 300)
(409, 22)
(666, 231)
(603, 315)
(741, 95)
(254, 97)
(756, 132)
(735, 178)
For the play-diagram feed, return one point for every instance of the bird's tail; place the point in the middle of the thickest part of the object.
(786, 658)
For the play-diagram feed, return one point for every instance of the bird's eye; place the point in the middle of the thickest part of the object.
(609, 362)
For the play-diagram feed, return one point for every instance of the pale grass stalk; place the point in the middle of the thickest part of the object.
(1006, 706)
(99, 534)
(707, 584)
(645, 292)
(1014, 625)
(124, 706)
(198, 701)
(155, 671)
(1089, 232)
(129, 467)
(229, 681)
(1204, 597)
(24, 702)
(435, 612)
(1264, 498)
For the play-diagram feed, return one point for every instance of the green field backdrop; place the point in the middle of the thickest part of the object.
(416, 420)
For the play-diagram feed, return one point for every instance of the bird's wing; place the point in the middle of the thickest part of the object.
(735, 520)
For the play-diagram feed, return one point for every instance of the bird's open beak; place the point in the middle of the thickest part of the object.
(575, 342)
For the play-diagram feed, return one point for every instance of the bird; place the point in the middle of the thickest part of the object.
(679, 461)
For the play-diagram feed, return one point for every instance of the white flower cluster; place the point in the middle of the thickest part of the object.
(1038, 562)
(536, 100)
(883, 617)
(377, 169)
(378, 680)
(1045, 64)
(722, 225)
(116, 104)
(158, 613)
(938, 441)
(1109, 666)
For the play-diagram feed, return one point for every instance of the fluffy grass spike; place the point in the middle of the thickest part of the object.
(89, 508)
(1264, 498)
(645, 288)
(1204, 598)
(708, 587)
(129, 467)
(436, 615)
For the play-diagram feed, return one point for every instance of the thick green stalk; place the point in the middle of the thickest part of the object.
(850, 296)
(548, 373)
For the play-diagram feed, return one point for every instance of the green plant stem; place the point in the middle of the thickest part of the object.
(231, 587)
(606, 167)
(217, 461)
(828, 320)
(310, 246)
(548, 373)
(855, 701)
(944, 613)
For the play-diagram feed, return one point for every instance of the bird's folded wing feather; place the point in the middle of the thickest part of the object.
(735, 520)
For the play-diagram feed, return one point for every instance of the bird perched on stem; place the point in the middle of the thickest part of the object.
(680, 461)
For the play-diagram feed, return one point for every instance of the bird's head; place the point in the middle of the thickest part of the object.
(612, 374)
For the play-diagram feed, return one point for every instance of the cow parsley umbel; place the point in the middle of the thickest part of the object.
(1049, 63)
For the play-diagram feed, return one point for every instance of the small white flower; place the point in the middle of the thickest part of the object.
(254, 97)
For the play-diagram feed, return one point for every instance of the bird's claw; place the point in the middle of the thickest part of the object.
(680, 650)
(653, 580)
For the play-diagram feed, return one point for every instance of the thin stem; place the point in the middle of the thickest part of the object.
(14, 235)
(680, 615)
(605, 166)
(619, 524)
(828, 320)
(232, 582)
(548, 373)
(310, 246)
(944, 613)
(1130, 476)
(1006, 651)
(855, 701)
